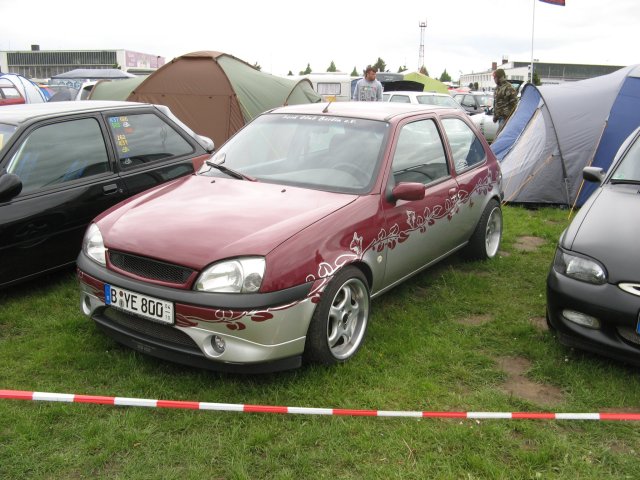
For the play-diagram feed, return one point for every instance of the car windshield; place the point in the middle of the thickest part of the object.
(485, 100)
(5, 133)
(315, 151)
(628, 170)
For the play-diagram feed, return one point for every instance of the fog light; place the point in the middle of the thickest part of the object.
(218, 344)
(581, 319)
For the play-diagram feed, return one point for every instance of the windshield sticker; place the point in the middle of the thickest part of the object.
(121, 127)
(319, 119)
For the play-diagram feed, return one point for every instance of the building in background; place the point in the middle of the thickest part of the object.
(43, 64)
(548, 73)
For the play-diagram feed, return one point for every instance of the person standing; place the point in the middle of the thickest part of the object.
(368, 89)
(505, 99)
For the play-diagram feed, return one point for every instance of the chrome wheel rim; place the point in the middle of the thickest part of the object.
(348, 317)
(494, 232)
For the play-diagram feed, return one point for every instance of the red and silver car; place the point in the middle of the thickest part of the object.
(270, 254)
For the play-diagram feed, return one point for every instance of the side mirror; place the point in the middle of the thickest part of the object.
(207, 143)
(408, 191)
(10, 186)
(593, 174)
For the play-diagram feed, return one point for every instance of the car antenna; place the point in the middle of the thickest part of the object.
(326, 109)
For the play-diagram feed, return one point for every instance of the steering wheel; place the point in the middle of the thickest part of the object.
(354, 170)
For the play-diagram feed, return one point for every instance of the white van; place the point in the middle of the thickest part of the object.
(331, 86)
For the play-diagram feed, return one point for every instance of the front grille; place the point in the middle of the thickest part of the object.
(162, 333)
(629, 334)
(148, 268)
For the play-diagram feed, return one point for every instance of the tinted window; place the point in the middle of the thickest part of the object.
(419, 154)
(59, 153)
(143, 138)
(466, 147)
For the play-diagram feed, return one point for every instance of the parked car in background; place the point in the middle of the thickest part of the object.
(61, 164)
(273, 251)
(475, 102)
(422, 98)
(486, 125)
(593, 286)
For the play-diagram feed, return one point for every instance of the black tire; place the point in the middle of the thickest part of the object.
(339, 323)
(485, 241)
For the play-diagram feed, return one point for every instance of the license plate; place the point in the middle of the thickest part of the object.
(142, 305)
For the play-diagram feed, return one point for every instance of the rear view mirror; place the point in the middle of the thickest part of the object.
(408, 191)
(10, 186)
(593, 174)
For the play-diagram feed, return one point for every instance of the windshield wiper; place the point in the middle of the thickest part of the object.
(230, 171)
(628, 181)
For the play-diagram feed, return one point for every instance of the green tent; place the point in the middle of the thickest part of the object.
(430, 84)
(216, 94)
(115, 90)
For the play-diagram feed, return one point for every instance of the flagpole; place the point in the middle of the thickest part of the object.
(533, 26)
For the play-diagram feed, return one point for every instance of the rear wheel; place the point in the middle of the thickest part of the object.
(485, 241)
(339, 323)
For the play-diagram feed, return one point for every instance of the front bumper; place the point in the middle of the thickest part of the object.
(261, 332)
(617, 311)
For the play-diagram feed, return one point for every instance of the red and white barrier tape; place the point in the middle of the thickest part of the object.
(231, 407)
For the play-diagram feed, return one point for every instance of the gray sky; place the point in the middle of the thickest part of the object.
(461, 36)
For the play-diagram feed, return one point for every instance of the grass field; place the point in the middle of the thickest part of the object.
(459, 337)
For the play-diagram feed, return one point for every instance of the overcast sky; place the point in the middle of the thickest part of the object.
(281, 36)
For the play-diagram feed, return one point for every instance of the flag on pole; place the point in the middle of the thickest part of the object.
(554, 2)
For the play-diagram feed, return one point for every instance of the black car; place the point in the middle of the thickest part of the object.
(63, 163)
(593, 286)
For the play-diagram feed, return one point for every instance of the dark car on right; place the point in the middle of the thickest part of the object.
(593, 286)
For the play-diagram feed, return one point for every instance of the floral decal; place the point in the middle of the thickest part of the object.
(420, 222)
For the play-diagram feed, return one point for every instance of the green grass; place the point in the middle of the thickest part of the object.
(423, 352)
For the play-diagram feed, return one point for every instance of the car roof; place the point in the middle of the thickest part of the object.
(367, 110)
(17, 114)
(409, 92)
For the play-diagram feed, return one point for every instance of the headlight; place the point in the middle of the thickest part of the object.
(240, 275)
(93, 246)
(579, 268)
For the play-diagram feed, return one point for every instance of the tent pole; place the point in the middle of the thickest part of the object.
(533, 25)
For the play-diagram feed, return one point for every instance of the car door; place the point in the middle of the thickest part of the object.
(150, 149)
(67, 179)
(420, 232)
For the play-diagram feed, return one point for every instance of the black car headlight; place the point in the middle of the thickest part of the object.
(239, 275)
(579, 267)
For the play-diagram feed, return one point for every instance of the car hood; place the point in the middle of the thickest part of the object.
(606, 230)
(198, 220)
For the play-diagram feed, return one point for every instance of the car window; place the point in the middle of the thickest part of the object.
(419, 155)
(323, 152)
(400, 99)
(326, 88)
(629, 167)
(466, 147)
(59, 153)
(5, 133)
(468, 101)
(144, 137)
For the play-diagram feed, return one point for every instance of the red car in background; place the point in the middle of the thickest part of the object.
(271, 254)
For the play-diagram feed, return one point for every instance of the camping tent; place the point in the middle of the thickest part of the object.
(557, 130)
(120, 90)
(430, 84)
(215, 94)
(28, 90)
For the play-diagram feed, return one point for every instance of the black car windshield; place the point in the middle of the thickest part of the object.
(628, 170)
(315, 151)
(6, 131)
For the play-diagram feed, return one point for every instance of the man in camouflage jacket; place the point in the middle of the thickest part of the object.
(504, 98)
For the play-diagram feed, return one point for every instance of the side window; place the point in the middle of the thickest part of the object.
(468, 101)
(400, 99)
(419, 155)
(60, 152)
(466, 147)
(144, 137)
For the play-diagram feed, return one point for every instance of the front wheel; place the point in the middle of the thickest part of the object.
(485, 241)
(339, 324)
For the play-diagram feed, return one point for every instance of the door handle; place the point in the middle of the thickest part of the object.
(110, 189)
(453, 191)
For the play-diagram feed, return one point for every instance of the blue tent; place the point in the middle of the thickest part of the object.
(557, 130)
